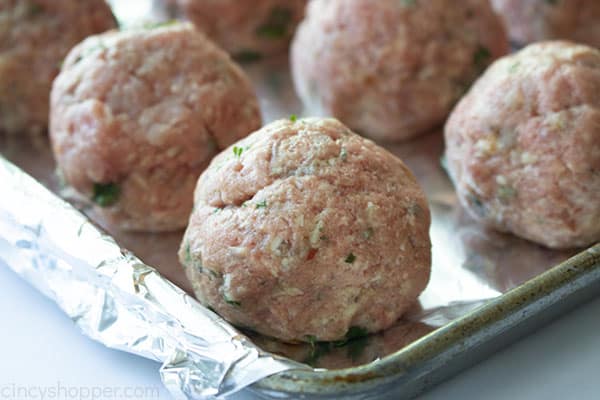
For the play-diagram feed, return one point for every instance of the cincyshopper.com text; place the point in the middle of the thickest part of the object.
(60, 391)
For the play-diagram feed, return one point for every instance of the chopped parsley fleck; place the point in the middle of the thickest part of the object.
(344, 154)
(477, 204)
(187, 255)
(277, 24)
(506, 192)
(87, 51)
(481, 57)
(355, 332)
(216, 210)
(350, 258)
(355, 341)
(247, 56)
(415, 210)
(514, 67)
(237, 151)
(231, 302)
(106, 194)
(34, 10)
(409, 3)
(162, 24)
(318, 349)
(262, 204)
(293, 118)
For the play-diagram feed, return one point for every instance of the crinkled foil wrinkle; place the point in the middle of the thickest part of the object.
(117, 300)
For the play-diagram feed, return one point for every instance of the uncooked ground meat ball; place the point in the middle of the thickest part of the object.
(306, 231)
(535, 20)
(35, 36)
(246, 29)
(523, 146)
(393, 69)
(137, 116)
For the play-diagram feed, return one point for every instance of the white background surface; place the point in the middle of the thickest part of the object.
(40, 347)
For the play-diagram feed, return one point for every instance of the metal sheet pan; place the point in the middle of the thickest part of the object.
(486, 289)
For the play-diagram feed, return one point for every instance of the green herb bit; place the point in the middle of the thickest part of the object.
(237, 151)
(212, 273)
(187, 255)
(247, 56)
(293, 118)
(368, 233)
(99, 46)
(356, 341)
(552, 2)
(416, 210)
(231, 302)
(506, 192)
(318, 350)
(350, 258)
(514, 67)
(34, 10)
(216, 210)
(481, 57)
(409, 3)
(311, 339)
(163, 24)
(344, 154)
(354, 332)
(477, 204)
(277, 24)
(262, 204)
(106, 194)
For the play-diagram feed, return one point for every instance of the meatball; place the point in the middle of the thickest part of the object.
(393, 69)
(305, 231)
(535, 20)
(246, 29)
(35, 36)
(137, 115)
(523, 147)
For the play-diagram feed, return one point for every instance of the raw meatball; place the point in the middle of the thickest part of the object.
(246, 29)
(305, 231)
(523, 146)
(393, 69)
(535, 20)
(137, 116)
(35, 36)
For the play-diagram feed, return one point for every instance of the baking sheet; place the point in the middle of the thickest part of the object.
(471, 265)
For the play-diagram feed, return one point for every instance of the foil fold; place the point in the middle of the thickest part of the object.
(119, 301)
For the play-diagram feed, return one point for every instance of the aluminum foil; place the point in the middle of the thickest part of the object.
(117, 299)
